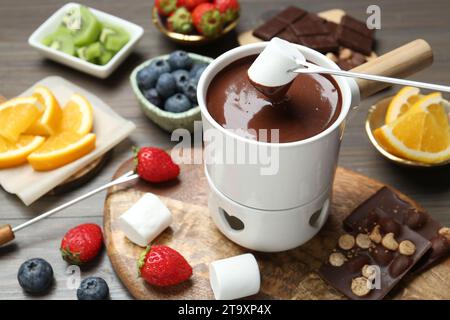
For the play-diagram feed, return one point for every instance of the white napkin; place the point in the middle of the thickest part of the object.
(109, 127)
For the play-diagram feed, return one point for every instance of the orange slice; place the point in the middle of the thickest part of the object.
(421, 134)
(50, 119)
(61, 149)
(17, 115)
(16, 153)
(77, 115)
(401, 103)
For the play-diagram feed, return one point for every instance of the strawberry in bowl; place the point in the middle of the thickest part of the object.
(195, 21)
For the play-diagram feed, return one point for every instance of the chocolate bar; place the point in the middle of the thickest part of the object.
(310, 25)
(373, 256)
(405, 213)
(353, 40)
(270, 29)
(357, 26)
(322, 43)
(288, 35)
(291, 14)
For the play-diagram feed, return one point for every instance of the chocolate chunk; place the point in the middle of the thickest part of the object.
(345, 64)
(382, 256)
(331, 27)
(270, 29)
(389, 225)
(439, 246)
(399, 265)
(358, 59)
(353, 40)
(415, 219)
(291, 14)
(357, 263)
(357, 26)
(288, 35)
(321, 43)
(310, 25)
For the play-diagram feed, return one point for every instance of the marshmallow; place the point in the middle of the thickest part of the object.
(271, 67)
(235, 277)
(145, 220)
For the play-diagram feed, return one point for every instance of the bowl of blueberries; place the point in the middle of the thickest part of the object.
(166, 87)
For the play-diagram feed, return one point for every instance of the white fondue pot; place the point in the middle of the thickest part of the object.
(282, 202)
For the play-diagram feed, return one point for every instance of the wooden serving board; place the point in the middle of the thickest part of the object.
(333, 15)
(287, 275)
(81, 177)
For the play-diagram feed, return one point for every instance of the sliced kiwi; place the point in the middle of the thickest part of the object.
(61, 42)
(105, 57)
(83, 25)
(114, 38)
(94, 51)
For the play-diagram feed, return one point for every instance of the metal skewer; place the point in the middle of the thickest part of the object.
(7, 233)
(306, 67)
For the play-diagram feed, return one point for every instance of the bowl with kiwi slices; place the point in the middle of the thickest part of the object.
(86, 39)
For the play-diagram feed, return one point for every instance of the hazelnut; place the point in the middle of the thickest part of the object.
(332, 56)
(337, 259)
(345, 54)
(369, 271)
(389, 242)
(445, 232)
(346, 241)
(361, 286)
(363, 241)
(375, 235)
(407, 248)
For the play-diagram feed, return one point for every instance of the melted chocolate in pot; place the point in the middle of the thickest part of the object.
(312, 104)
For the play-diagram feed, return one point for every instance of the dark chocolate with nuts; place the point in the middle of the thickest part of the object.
(298, 26)
(373, 257)
(405, 213)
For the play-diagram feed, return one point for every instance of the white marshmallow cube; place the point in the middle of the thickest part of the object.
(235, 277)
(145, 220)
(271, 67)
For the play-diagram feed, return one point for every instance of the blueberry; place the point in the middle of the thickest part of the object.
(180, 60)
(146, 78)
(181, 78)
(35, 275)
(190, 90)
(166, 85)
(159, 67)
(177, 103)
(197, 70)
(93, 288)
(153, 97)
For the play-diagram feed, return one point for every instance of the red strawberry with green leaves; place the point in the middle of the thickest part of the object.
(163, 266)
(180, 21)
(155, 165)
(208, 20)
(228, 8)
(82, 243)
(165, 7)
(191, 4)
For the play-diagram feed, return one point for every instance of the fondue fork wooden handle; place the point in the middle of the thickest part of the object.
(398, 63)
(6, 234)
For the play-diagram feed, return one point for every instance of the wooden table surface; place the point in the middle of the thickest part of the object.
(21, 66)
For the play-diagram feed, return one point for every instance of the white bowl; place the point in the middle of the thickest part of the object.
(51, 24)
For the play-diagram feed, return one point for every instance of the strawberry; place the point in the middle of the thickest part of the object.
(181, 3)
(165, 7)
(82, 244)
(191, 4)
(228, 8)
(208, 20)
(180, 21)
(155, 165)
(163, 266)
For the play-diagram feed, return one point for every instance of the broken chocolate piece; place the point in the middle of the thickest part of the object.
(321, 43)
(403, 212)
(353, 40)
(310, 25)
(288, 35)
(357, 26)
(270, 29)
(291, 14)
(390, 265)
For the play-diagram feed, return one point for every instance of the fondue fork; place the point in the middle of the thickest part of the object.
(7, 232)
(306, 67)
